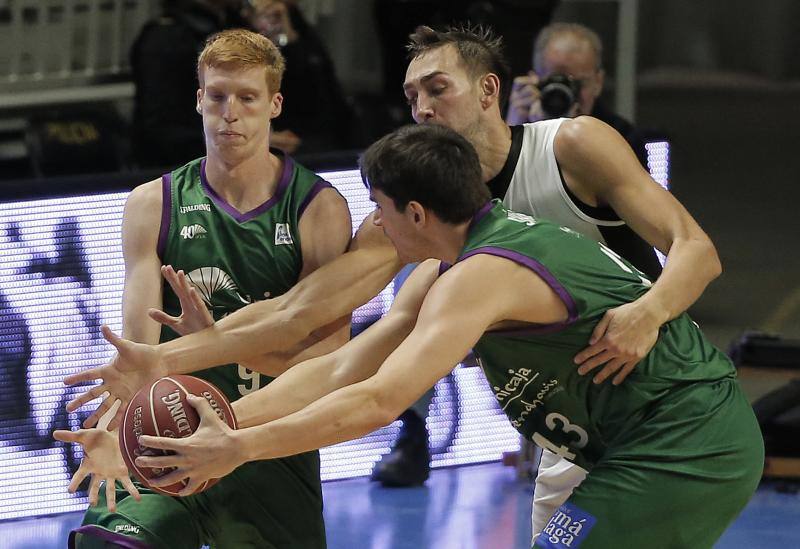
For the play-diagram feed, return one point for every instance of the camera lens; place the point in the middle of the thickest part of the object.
(558, 93)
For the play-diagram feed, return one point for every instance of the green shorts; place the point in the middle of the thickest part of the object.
(677, 480)
(266, 504)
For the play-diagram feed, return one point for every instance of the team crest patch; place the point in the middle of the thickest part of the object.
(566, 529)
(282, 234)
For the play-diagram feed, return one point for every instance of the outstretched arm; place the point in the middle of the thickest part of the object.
(459, 307)
(322, 298)
(325, 229)
(598, 164)
(354, 362)
(271, 325)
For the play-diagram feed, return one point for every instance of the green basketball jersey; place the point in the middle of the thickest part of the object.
(233, 258)
(532, 372)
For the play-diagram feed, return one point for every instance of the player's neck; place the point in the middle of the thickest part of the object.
(244, 183)
(446, 241)
(493, 144)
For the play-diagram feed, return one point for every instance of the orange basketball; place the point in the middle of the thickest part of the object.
(161, 409)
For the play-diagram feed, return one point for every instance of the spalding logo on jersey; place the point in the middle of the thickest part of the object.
(282, 234)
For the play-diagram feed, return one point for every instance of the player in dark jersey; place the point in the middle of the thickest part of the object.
(245, 224)
(673, 454)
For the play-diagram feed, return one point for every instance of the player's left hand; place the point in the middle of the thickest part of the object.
(102, 459)
(210, 452)
(620, 340)
(194, 316)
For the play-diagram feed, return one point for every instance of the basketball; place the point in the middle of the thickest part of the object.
(161, 409)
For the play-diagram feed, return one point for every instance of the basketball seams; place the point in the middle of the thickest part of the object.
(130, 462)
(181, 384)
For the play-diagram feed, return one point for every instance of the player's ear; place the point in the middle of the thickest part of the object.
(416, 212)
(199, 100)
(490, 89)
(276, 105)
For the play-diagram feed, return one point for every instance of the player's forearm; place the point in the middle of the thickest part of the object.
(311, 380)
(320, 343)
(348, 282)
(297, 387)
(278, 324)
(347, 414)
(255, 329)
(692, 263)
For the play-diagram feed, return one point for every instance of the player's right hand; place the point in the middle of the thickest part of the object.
(134, 366)
(523, 104)
(102, 460)
(194, 316)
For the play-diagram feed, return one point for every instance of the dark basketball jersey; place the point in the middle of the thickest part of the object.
(532, 372)
(233, 258)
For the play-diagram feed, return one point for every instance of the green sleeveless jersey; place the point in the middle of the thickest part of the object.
(233, 258)
(531, 370)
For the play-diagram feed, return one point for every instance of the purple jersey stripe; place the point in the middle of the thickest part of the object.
(551, 281)
(480, 214)
(315, 190)
(283, 184)
(166, 214)
(117, 539)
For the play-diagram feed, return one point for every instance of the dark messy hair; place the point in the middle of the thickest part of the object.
(430, 164)
(480, 50)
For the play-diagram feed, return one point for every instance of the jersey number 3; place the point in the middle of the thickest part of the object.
(565, 427)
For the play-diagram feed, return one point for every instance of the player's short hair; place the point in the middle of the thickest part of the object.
(430, 164)
(242, 49)
(553, 30)
(481, 51)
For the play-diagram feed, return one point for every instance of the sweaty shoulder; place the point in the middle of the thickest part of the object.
(575, 132)
(592, 157)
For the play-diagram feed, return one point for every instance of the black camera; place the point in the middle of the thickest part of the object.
(558, 92)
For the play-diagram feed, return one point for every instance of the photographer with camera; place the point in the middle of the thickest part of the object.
(566, 81)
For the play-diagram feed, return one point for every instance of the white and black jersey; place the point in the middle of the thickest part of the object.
(531, 182)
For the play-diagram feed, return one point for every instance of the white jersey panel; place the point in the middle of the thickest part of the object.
(536, 187)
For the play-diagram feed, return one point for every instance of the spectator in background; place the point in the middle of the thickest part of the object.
(316, 117)
(166, 128)
(573, 51)
(515, 20)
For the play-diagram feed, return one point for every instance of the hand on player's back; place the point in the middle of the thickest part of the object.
(620, 340)
(102, 460)
(134, 366)
(194, 313)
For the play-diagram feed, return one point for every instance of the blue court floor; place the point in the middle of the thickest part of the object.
(476, 507)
